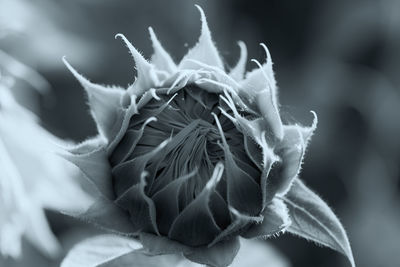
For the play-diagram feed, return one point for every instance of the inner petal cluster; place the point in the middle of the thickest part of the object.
(187, 161)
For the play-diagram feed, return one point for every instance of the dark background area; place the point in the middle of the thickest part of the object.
(339, 58)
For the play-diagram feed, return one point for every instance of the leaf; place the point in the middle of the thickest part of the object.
(313, 220)
(116, 251)
(99, 250)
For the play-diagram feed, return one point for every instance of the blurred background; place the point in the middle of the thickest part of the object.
(339, 58)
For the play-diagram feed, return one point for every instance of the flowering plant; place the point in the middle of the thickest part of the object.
(189, 158)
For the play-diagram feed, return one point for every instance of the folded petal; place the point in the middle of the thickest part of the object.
(141, 208)
(96, 168)
(195, 225)
(167, 203)
(291, 151)
(240, 223)
(259, 90)
(128, 143)
(276, 220)
(129, 173)
(243, 192)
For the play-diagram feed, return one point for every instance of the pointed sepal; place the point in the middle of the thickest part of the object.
(105, 103)
(161, 59)
(95, 168)
(204, 51)
(291, 151)
(276, 220)
(237, 72)
(146, 76)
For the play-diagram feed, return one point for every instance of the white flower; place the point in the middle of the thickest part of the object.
(32, 178)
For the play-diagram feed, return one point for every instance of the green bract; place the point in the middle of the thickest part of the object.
(189, 157)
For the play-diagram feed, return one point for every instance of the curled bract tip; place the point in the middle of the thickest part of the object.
(119, 35)
(267, 52)
(85, 82)
(315, 120)
(135, 53)
(203, 16)
(238, 71)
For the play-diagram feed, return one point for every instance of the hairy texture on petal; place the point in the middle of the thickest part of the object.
(291, 151)
(276, 219)
(259, 94)
(205, 50)
(240, 223)
(146, 77)
(105, 103)
(161, 59)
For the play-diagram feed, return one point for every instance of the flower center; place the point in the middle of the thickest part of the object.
(195, 144)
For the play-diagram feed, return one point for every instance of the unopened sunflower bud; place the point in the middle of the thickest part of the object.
(190, 157)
